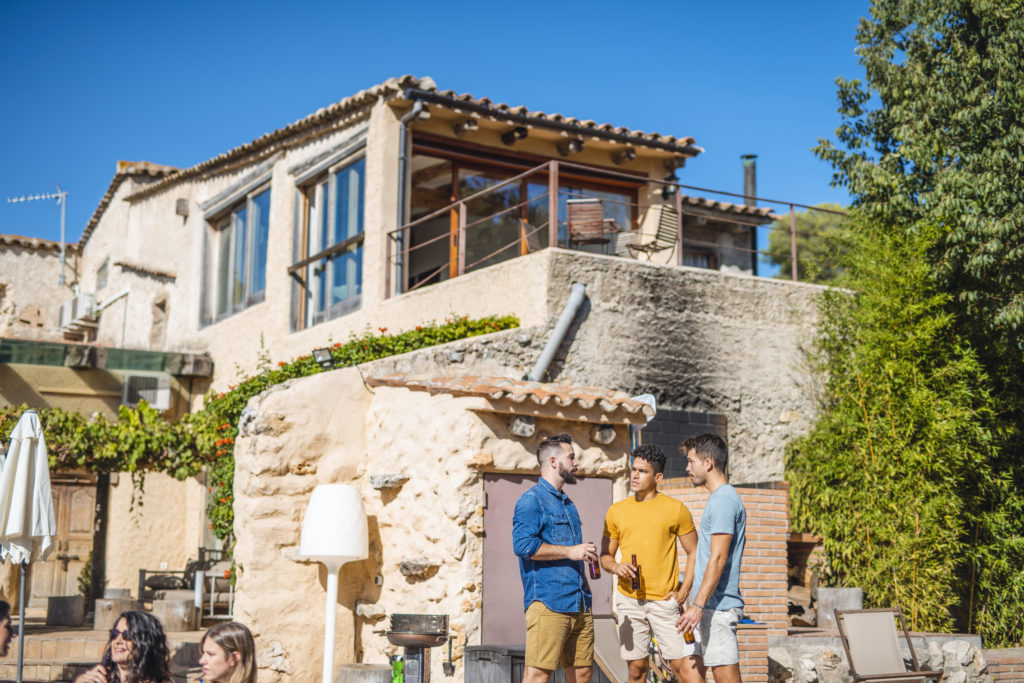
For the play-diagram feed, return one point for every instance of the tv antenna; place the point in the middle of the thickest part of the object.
(62, 198)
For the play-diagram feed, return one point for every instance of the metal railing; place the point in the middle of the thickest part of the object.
(399, 251)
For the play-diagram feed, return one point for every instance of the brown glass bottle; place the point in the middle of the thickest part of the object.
(595, 569)
(634, 581)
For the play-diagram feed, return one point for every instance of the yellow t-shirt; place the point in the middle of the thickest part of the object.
(649, 530)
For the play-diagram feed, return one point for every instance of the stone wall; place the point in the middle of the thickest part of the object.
(418, 460)
(30, 291)
(822, 659)
(700, 341)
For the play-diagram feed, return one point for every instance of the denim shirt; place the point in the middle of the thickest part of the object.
(546, 515)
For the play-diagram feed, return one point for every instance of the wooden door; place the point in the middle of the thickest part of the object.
(504, 622)
(74, 501)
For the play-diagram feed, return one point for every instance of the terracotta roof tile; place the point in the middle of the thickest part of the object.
(518, 391)
(270, 141)
(728, 207)
(397, 86)
(35, 243)
(685, 145)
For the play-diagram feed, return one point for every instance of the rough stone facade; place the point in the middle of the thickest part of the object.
(30, 292)
(700, 341)
(418, 460)
(823, 660)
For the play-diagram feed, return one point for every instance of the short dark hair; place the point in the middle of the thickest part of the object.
(552, 445)
(651, 454)
(708, 446)
(5, 610)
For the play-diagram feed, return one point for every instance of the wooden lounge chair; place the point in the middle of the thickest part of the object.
(665, 238)
(873, 648)
(587, 224)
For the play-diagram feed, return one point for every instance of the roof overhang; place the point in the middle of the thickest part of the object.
(684, 147)
(521, 397)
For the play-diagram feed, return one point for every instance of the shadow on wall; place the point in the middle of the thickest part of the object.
(14, 390)
(357, 582)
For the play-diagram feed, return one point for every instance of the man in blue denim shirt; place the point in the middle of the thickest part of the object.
(548, 539)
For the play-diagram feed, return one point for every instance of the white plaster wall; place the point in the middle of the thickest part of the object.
(163, 527)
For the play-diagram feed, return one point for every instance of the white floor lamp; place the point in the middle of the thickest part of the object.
(333, 532)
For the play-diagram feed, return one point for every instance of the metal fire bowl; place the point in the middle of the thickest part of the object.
(415, 639)
(418, 630)
(434, 624)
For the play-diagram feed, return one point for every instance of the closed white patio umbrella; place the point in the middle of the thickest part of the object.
(27, 522)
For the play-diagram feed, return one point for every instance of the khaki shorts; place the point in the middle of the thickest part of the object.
(554, 638)
(638, 620)
(718, 633)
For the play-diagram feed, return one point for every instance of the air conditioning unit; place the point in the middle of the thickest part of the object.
(84, 306)
(154, 388)
(79, 309)
(66, 310)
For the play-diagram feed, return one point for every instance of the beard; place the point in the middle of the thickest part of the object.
(567, 476)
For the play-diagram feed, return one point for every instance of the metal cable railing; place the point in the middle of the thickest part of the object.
(465, 226)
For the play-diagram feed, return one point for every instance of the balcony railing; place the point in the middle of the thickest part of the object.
(468, 237)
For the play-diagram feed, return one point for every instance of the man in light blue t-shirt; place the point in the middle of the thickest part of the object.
(715, 601)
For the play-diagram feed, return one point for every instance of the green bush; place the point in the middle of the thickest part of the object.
(898, 473)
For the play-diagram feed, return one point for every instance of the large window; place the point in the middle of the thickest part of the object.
(330, 272)
(508, 222)
(236, 255)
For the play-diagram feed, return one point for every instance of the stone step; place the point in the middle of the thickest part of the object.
(53, 655)
(64, 670)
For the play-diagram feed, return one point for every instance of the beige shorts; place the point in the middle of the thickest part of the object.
(554, 638)
(639, 620)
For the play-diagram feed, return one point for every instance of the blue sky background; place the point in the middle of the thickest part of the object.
(87, 84)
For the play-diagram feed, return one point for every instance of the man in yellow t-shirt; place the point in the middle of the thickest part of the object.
(650, 596)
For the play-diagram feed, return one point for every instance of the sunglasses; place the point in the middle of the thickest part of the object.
(114, 633)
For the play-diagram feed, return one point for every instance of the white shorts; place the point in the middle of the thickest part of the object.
(718, 636)
(638, 620)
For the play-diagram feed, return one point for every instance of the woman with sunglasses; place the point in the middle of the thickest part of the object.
(137, 653)
(228, 654)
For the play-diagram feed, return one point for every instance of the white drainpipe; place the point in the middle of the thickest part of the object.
(576, 295)
(417, 111)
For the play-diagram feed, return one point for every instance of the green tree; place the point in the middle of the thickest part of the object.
(897, 475)
(819, 244)
(931, 147)
(935, 135)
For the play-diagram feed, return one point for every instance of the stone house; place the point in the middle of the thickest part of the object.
(405, 204)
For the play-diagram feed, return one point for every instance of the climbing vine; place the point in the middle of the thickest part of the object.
(141, 441)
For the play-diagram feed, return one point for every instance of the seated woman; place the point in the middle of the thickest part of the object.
(137, 653)
(228, 654)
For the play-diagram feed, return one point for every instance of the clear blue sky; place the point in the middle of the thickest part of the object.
(88, 83)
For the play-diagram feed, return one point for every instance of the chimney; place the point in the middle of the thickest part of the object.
(749, 179)
(749, 194)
